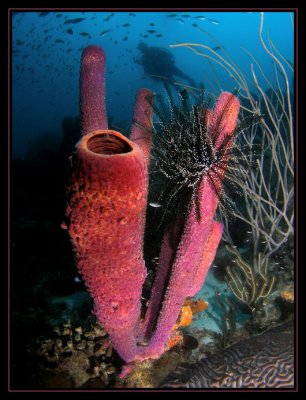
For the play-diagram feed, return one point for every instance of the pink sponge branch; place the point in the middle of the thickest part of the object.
(141, 131)
(166, 258)
(222, 122)
(199, 240)
(92, 90)
(208, 255)
(185, 267)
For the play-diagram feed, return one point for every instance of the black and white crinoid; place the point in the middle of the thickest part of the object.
(183, 152)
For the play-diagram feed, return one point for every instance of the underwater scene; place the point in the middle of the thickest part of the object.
(152, 200)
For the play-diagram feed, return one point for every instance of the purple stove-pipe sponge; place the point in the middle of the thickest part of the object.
(92, 90)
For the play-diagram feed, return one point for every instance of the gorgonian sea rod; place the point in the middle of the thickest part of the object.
(105, 218)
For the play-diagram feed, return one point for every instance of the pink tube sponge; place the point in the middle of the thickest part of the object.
(141, 132)
(107, 198)
(107, 203)
(92, 90)
(184, 263)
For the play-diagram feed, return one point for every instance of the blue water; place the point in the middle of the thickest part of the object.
(45, 73)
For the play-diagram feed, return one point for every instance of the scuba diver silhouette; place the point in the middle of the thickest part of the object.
(160, 63)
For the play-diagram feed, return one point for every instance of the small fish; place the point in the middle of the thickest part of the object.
(152, 24)
(73, 21)
(70, 31)
(154, 204)
(143, 343)
(132, 14)
(151, 31)
(217, 48)
(195, 25)
(85, 34)
(59, 41)
(172, 15)
(213, 21)
(102, 34)
(180, 20)
(43, 14)
(159, 35)
(77, 280)
(108, 18)
(145, 36)
(201, 18)
(125, 38)
(126, 25)
(186, 16)
(77, 20)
